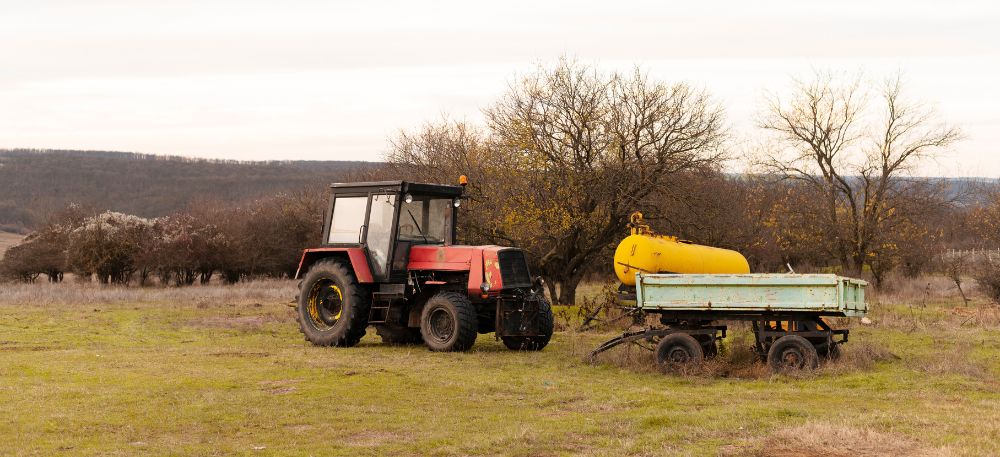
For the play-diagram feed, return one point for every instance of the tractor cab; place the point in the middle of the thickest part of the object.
(387, 218)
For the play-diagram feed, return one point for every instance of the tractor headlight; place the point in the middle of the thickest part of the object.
(408, 198)
(485, 287)
(457, 202)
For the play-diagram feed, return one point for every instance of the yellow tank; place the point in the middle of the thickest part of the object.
(646, 252)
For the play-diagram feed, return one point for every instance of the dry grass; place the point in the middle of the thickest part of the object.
(832, 440)
(926, 290)
(955, 359)
(71, 293)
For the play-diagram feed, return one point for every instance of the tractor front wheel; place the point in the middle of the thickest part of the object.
(333, 308)
(448, 322)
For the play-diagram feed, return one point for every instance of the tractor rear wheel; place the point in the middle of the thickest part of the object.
(448, 322)
(678, 350)
(546, 324)
(791, 353)
(397, 335)
(333, 308)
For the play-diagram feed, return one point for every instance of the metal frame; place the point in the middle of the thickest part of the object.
(653, 336)
(703, 325)
(523, 302)
(398, 189)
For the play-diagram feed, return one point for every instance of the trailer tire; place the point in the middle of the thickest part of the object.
(546, 327)
(678, 350)
(396, 335)
(448, 322)
(791, 353)
(332, 307)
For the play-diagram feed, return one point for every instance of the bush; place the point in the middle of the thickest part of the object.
(263, 239)
(109, 246)
(988, 278)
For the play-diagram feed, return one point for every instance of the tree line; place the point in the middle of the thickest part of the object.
(568, 152)
(261, 239)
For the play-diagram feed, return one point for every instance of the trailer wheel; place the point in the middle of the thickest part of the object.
(677, 350)
(448, 322)
(792, 352)
(546, 325)
(333, 308)
(398, 335)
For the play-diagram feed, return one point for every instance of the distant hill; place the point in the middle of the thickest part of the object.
(33, 183)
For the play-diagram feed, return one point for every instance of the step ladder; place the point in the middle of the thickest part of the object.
(382, 302)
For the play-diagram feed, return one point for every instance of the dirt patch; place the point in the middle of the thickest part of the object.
(823, 439)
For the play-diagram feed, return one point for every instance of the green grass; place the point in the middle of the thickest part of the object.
(207, 374)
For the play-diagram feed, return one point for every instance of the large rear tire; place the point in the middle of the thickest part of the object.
(333, 308)
(546, 325)
(448, 322)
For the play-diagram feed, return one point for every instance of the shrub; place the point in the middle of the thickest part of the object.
(988, 278)
(108, 245)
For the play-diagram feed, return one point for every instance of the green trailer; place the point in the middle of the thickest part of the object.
(788, 314)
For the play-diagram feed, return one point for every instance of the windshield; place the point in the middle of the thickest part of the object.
(426, 219)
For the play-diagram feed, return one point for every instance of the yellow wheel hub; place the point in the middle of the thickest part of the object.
(326, 304)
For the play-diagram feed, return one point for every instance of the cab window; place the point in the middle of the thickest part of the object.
(348, 219)
(426, 219)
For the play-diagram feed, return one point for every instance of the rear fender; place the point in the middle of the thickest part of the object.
(355, 256)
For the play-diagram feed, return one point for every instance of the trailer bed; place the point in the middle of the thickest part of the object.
(749, 294)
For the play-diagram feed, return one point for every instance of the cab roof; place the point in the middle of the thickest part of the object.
(443, 190)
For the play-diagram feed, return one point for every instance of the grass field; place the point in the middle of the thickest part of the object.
(223, 371)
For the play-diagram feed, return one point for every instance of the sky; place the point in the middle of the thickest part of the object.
(333, 80)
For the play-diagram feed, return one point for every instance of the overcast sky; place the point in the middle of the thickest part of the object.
(330, 80)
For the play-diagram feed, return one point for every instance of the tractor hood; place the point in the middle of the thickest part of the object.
(448, 258)
(485, 264)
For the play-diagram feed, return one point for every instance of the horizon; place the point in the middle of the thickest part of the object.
(280, 161)
(305, 81)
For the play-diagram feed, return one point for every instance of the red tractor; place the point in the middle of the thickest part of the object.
(388, 260)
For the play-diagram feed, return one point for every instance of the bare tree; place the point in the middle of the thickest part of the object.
(856, 157)
(956, 267)
(568, 153)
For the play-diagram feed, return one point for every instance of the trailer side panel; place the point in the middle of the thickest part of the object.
(816, 294)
